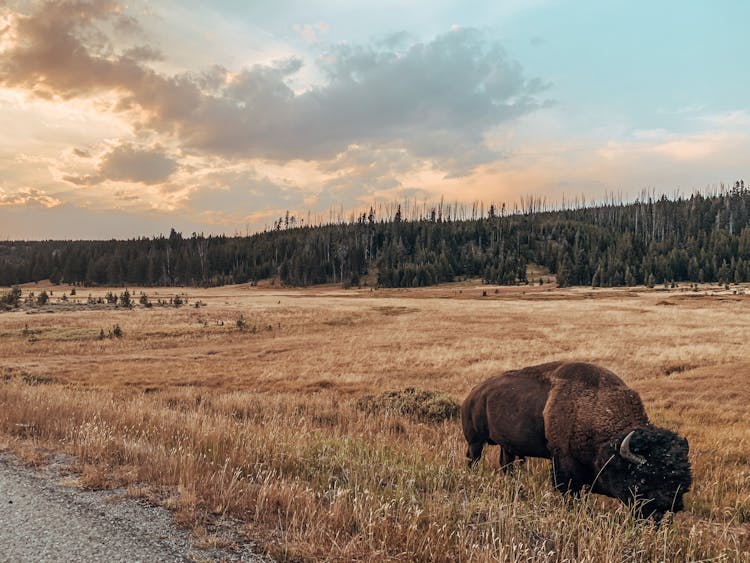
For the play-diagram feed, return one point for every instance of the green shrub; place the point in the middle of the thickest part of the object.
(125, 299)
(11, 299)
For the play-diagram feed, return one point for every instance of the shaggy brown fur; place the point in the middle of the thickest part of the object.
(576, 414)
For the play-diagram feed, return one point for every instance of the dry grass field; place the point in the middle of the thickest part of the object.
(260, 423)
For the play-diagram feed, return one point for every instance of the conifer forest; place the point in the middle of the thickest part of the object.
(701, 238)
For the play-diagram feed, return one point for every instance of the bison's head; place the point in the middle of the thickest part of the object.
(649, 465)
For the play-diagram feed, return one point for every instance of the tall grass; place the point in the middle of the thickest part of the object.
(264, 426)
(315, 478)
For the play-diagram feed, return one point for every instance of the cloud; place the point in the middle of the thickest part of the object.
(240, 191)
(128, 163)
(69, 221)
(374, 121)
(730, 119)
(143, 53)
(362, 172)
(49, 56)
(83, 180)
(437, 99)
(690, 149)
(28, 196)
(311, 32)
(65, 50)
(675, 147)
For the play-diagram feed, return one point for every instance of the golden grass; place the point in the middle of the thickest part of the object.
(262, 424)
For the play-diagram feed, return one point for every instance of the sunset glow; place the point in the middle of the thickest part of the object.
(121, 120)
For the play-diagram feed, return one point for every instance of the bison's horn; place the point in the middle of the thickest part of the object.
(627, 454)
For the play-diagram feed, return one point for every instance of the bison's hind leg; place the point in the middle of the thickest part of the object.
(474, 452)
(506, 459)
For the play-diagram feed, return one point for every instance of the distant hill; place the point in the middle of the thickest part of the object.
(653, 241)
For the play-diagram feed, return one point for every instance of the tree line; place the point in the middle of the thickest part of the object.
(701, 238)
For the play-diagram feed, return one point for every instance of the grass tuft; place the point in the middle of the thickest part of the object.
(423, 405)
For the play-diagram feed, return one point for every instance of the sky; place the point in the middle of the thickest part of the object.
(124, 119)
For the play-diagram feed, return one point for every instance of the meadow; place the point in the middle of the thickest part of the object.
(241, 406)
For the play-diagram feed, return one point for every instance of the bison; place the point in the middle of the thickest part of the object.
(592, 426)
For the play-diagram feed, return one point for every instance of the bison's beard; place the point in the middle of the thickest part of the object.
(656, 486)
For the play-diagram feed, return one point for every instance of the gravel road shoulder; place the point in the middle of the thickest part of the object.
(43, 519)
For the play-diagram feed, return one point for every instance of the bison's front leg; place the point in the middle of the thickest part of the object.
(566, 476)
(474, 453)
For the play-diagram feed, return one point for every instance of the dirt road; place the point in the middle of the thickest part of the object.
(43, 519)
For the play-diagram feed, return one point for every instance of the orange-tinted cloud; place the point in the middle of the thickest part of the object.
(436, 98)
(28, 196)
